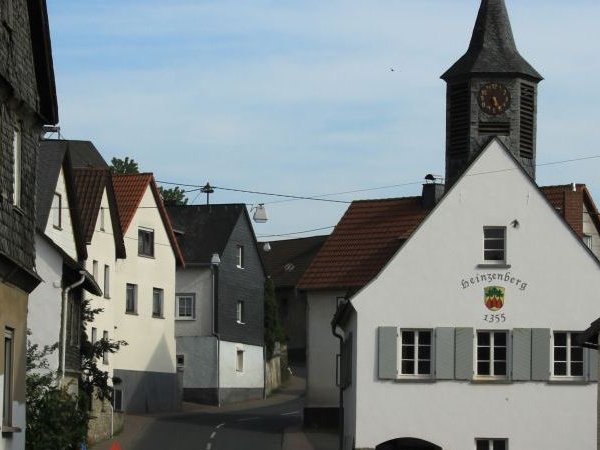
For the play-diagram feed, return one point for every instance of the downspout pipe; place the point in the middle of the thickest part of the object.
(214, 266)
(341, 413)
(65, 296)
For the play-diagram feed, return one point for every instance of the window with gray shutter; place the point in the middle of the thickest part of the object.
(540, 354)
(444, 353)
(463, 358)
(521, 354)
(388, 353)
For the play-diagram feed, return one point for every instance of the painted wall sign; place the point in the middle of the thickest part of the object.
(493, 297)
(507, 278)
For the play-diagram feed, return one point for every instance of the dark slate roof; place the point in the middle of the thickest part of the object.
(42, 57)
(287, 260)
(51, 155)
(492, 48)
(85, 155)
(205, 229)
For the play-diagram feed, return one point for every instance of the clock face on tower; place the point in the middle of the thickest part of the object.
(494, 99)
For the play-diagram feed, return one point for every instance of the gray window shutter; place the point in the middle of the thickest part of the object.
(591, 356)
(521, 354)
(540, 354)
(444, 353)
(388, 353)
(463, 366)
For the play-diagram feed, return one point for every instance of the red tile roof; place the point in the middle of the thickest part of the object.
(371, 231)
(129, 191)
(363, 241)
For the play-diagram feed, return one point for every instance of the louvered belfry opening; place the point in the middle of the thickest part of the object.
(458, 121)
(527, 136)
(494, 128)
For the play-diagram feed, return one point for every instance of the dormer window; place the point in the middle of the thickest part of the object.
(494, 245)
(145, 242)
(587, 240)
(57, 211)
(240, 257)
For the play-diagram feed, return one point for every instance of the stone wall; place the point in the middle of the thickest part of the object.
(275, 369)
(99, 426)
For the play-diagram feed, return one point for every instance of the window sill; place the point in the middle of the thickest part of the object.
(57, 227)
(141, 255)
(185, 318)
(131, 313)
(158, 317)
(107, 298)
(18, 209)
(240, 323)
(415, 379)
(492, 265)
(483, 379)
(568, 380)
(10, 430)
(240, 267)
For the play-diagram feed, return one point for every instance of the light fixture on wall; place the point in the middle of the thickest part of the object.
(266, 247)
(215, 260)
(260, 213)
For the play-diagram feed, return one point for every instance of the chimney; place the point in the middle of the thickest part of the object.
(433, 190)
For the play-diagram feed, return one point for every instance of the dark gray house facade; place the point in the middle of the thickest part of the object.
(219, 316)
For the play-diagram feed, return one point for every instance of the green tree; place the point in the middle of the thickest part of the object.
(273, 329)
(173, 196)
(118, 165)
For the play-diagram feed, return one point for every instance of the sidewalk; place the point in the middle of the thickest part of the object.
(294, 438)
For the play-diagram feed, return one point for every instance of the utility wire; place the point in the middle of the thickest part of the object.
(297, 232)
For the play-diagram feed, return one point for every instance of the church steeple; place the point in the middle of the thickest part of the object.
(492, 91)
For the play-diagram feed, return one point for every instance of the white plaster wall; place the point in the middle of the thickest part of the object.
(196, 280)
(151, 340)
(17, 440)
(421, 288)
(253, 373)
(45, 302)
(200, 356)
(63, 236)
(590, 229)
(102, 249)
(322, 346)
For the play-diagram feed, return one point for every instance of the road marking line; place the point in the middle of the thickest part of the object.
(212, 436)
(291, 413)
(208, 446)
(220, 425)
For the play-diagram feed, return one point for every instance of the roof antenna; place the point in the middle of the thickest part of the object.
(207, 189)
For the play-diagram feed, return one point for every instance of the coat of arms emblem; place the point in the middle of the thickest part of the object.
(493, 297)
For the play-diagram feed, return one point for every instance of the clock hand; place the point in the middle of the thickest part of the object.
(495, 102)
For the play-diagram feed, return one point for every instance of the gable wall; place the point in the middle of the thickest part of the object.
(198, 281)
(422, 287)
(590, 229)
(62, 236)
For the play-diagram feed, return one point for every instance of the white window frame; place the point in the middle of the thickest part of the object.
(134, 290)
(57, 211)
(571, 339)
(493, 359)
(106, 281)
(17, 165)
(418, 333)
(161, 303)
(239, 312)
(490, 442)
(180, 360)
(494, 239)
(8, 387)
(95, 270)
(239, 360)
(239, 256)
(102, 209)
(588, 240)
(142, 250)
(178, 298)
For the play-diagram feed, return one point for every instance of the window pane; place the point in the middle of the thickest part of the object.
(500, 354)
(408, 337)
(494, 244)
(560, 339)
(577, 369)
(500, 339)
(482, 444)
(424, 367)
(493, 232)
(483, 368)
(408, 367)
(499, 368)
(424, 338)
(483, 353)
(560, 368)
(483, 338)
(494, 255)
(408, 352)
(560, 354)
(576, 354)
(499, 444)
(424, 352)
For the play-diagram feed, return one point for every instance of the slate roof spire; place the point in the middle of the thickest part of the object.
(492, 48)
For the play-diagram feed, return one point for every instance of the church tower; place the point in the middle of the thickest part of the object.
(491, 92)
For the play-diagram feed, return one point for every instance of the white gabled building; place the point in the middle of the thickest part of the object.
(457, 313)
(145, 292)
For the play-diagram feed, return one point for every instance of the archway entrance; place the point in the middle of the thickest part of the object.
(407, 444)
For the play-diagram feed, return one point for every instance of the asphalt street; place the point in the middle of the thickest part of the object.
(255, 428)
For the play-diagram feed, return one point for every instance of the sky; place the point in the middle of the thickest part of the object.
(299, 97)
